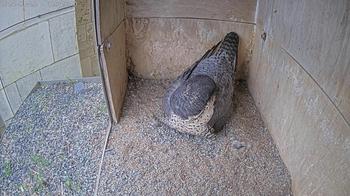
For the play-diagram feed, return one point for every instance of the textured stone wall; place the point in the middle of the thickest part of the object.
(38, 41)
(86, 38)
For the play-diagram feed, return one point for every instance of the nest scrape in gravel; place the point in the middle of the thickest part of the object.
(146, 157)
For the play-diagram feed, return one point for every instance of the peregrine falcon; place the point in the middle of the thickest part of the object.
(199, 101)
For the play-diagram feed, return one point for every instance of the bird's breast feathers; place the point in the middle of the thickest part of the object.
(197, 124)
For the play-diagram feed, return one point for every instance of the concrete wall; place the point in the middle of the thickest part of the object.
(37, 42)
(300, 80)
(166, 37)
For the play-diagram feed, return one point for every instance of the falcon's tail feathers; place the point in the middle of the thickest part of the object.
(229, 45)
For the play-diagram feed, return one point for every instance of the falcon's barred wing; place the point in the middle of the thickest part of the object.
(185, 75)
(191, 97)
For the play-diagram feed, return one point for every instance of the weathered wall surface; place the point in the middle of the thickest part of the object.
(86, 38)
(165, 37)
(161, 48)
(37, 42)
(300, 80)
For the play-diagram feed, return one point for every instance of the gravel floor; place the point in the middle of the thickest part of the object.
(145, 157)
(53, 145)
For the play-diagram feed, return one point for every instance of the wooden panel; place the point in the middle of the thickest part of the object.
(312, 137)
(317, 34)
(263, 11)
(164, 47)
(310, 132)
(112, 12)
(232, 10)
(116, 74)
(111, 34)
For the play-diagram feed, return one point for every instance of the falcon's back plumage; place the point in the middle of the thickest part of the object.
(199, 101)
